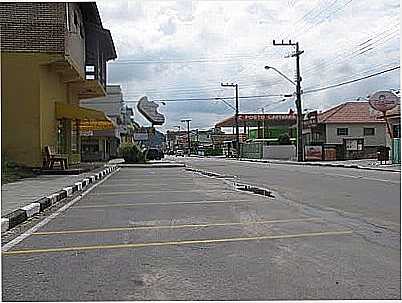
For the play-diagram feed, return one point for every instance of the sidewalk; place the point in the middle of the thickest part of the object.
(21, 193)
(368, 164)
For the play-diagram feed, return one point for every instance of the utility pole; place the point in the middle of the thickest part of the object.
(263, 124)
(297, 54)
(188, 134)
(236, 86)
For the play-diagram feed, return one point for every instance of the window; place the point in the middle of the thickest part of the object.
(61, 136)
(396, 130)
(82, 32)
(344, 131)
(368, 131)
(76, 20)
(74, 136)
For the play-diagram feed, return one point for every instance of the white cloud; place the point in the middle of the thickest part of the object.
(214, 41)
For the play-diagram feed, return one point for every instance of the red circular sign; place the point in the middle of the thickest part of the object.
(383, 101)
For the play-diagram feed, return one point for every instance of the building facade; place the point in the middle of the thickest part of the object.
(52, 55)
(352, 130)
(102, 145)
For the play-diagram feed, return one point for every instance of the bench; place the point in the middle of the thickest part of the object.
(51, 157)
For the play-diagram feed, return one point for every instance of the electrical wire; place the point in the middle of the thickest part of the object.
(318, 89)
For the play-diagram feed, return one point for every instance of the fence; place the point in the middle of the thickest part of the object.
(396, 150)
(282, 152)
(251, 150)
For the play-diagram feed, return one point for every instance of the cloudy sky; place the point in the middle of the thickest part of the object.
(185, 49)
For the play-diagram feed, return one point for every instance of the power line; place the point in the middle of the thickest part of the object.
(351, 52)
(351, 81)
(373, 69)
(304, 31)
(191, 99)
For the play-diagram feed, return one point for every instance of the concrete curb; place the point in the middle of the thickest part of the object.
(238, 186)
(24, 213)
(322, 164)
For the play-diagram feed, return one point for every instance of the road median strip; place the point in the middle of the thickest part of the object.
(173, 243)
(24, 213)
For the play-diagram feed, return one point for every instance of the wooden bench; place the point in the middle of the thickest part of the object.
(51, 157)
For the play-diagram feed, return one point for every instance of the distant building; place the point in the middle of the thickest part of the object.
(176, 140)
(352, 130)
(200, 139)
(101, 145)
(52, 55)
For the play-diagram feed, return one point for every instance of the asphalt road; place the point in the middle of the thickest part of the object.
(169, 234)
(373, 196)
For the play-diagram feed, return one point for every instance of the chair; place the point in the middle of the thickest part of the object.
(51, 157)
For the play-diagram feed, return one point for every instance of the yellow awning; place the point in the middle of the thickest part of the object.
(90, 119)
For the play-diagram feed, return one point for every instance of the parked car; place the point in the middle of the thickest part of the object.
(154, 154)
(179, 152)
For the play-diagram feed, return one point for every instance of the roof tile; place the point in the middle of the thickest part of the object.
(351, 112)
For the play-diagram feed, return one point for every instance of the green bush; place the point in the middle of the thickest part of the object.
(11, 171)
(214, 152)
(284, 139)
(131, 153)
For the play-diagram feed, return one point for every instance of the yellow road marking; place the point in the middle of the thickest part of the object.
(143, 184)
(184, 242)
(166, 203)
(161, 191)
(45, 233)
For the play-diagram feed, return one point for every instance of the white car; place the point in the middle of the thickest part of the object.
(179, 152)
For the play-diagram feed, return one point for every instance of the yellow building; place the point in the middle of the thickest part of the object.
(52, 55)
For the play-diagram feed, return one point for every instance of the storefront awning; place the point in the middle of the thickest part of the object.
(90, 119)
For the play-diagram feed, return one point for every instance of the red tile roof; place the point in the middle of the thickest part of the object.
(350, 112)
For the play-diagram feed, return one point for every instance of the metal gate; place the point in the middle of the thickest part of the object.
(396, 150)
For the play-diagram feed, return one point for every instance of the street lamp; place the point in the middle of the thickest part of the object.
(300, 152)
(280, 73)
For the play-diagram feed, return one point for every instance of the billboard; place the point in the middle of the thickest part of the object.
(140, 136)
(149, 110)
(313, 152)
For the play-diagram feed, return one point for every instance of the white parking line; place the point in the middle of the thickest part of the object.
(29, 232)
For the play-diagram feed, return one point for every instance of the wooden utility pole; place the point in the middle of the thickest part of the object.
(236, 86)
(188, 134)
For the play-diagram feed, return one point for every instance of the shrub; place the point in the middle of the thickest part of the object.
(284, 139)
(214, 152)
(131, 153)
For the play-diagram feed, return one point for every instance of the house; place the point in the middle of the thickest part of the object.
(350, 130)
(101, 145)
(52, 55)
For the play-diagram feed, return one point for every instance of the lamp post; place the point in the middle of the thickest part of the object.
(298, 107)
(280, 73)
